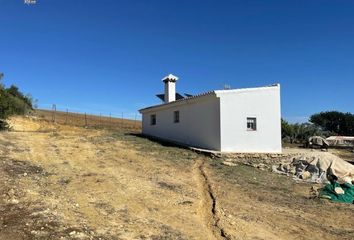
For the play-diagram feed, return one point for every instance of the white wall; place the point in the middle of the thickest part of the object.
(199, 124)
(236, 106)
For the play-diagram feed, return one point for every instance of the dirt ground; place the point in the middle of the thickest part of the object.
(66, 182)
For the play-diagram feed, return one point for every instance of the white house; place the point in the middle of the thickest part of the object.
(235, 120)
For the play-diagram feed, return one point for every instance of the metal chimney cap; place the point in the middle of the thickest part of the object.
(170, 78)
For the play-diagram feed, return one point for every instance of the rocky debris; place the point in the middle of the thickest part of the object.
(306, 175)
(315, 167)
(300, 170)
(257, 160)
(261, 161)
(263, 156)
(261, 166)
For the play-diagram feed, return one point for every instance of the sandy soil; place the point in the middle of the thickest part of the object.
(65, 182)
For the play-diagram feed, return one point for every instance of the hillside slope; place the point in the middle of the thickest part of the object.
(75, 183)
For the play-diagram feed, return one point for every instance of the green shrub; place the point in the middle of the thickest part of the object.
(12, 102)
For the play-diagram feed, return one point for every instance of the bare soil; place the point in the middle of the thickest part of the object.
(68, 182)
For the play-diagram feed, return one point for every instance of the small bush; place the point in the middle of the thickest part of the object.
(12, 102)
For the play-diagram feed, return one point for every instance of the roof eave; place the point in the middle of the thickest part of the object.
(181, 101)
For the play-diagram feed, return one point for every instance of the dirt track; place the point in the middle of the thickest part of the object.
(64, 182)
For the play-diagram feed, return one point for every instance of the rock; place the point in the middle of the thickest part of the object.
(80, 235)
(292, 170)
(287, 167)
(231, 164)
(14, 201)
(305, 175)
(260, 166)
(314, 192)
(39, 233)
(339, 190)
(72, 233)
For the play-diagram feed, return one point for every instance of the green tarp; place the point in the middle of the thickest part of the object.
(338, 192)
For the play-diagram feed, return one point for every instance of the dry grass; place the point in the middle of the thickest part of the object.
(82, 120)
(69, 182)
(262, 205)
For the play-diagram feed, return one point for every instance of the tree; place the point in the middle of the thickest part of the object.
(1, 77)
(12, 102)
(14, 91)
(287, 130)
(300, 132)
(334, 121)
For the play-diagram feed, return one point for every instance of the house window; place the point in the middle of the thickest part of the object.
(153, 119)
(251, 124)
(176, 116)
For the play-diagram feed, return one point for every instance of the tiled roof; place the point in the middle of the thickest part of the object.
(180, 100)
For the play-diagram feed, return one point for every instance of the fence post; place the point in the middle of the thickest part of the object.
(122, 121)
(135, 121)
(110, 119)
(54, 109)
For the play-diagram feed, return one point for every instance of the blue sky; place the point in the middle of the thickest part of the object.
(109, 55)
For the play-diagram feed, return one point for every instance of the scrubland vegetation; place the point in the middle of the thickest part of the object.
(12, 102)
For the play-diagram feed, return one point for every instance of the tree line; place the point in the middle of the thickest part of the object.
(330, 123)
(12, 102)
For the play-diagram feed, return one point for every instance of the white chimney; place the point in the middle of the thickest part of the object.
(170, 88)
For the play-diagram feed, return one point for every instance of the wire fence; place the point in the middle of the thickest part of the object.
(124, 121)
